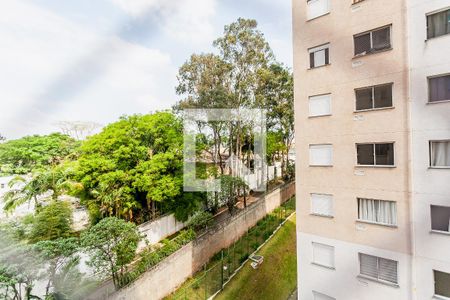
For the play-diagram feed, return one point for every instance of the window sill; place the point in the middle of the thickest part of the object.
(318, 67)
(323, 266)
(375, 223)
(319, 116)
(325, 14)
(433, 231)
(320, 215)
(372, 52)
(378, 281)
(376, 166)
(436, 102)
(440, 297)
(437, 37)
(373, 109)
(321, 166)
(439, 168)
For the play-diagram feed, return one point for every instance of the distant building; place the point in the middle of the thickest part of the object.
(372, 105)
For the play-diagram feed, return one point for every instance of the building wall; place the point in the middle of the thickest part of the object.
(344, 128)
(428, 122)
(343, 282)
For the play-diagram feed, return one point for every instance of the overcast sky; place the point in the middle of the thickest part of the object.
(95, 60)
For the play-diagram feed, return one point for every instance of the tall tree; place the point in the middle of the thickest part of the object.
(276, 93)
(23, 155)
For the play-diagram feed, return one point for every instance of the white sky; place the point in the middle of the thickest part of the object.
(85, 60)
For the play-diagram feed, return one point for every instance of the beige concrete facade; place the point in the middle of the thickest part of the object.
(345, 127)
(411, 123)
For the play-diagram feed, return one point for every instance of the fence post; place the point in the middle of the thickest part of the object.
(221, 279)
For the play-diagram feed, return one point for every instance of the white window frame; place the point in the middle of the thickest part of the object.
(429, 91)
(331, 267)
(374, 154)
(319, 95)
(359, 219)
(315, 49)
(437, 296)
(325, 144)
(431, 157)
(312, 212)
(377, 279)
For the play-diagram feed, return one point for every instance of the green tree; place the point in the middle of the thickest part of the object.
(275, 92)
(23, 155)
(19, 269)
(230, 189)
(52, 222)
(112, 245)
(133, 167)
(44, 185)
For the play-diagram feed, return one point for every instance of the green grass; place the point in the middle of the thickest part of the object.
(276, 278)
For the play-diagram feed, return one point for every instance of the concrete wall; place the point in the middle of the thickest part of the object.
(159, 229)
(173, 271)
(429, 121)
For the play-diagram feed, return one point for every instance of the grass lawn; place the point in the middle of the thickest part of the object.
(276, 278)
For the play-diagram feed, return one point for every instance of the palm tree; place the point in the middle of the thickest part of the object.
(43, 185)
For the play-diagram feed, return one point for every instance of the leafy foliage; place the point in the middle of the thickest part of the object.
(112, 244)
(23, 155)
(52, 222)
(133, 166)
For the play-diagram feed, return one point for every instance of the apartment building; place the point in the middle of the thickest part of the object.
(372, 103)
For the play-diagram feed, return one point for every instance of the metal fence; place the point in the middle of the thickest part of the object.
(225, 264)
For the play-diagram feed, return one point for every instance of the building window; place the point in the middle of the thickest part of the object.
(323, 255)
(440, 218)
(320, 105)
(377, 211)
(317, 8)
(440, 154)
(372, 97)
(372, 41)
(439, 88)
(378, 268)
(438, 24)
(321, 155)
(322, 205)
(375, 154)
(319, 56)
(320, 296)
(441, 284)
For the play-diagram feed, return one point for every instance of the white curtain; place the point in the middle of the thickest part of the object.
(377, 211)
(440, 154)
(437, 24)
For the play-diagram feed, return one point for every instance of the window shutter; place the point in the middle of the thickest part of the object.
(311, 60)
(323, 254)
(322, 204)
(317, 8)
(320, 105)
(368, 265)
(319, 58)
(387, 270)
(327, 56)
(321, 155)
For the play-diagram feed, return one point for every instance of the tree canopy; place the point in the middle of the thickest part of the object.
(23, 155)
